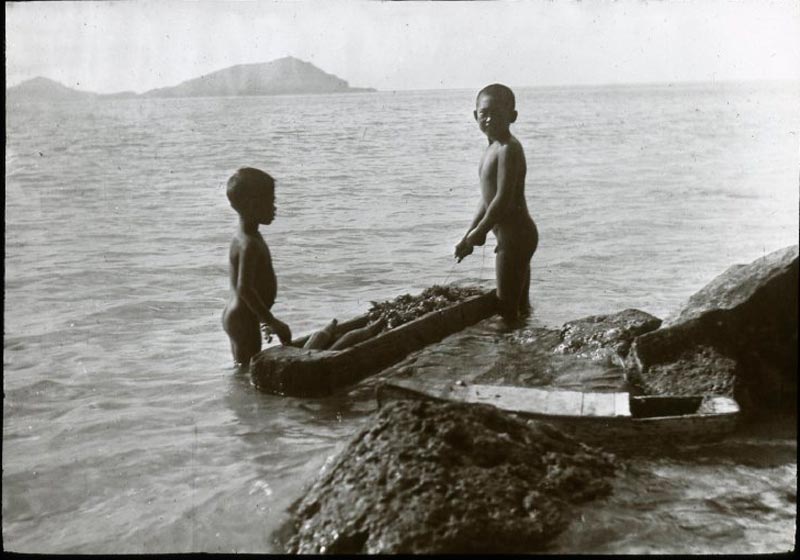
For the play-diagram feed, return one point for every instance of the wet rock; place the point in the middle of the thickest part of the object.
(737, 335)
(771, 279)
(605, 338)
(698, 370)
(427, 477)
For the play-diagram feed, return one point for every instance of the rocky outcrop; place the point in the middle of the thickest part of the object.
(286, 75)
(605, 338)
(44, 90)
(428, 477)
(737, 336)
(695, 369)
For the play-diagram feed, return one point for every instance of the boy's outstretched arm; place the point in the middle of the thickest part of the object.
(247, 290)
(507, 166)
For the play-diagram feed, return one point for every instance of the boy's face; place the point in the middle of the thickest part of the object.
(265, 207)
(261, 205)
(493, 115)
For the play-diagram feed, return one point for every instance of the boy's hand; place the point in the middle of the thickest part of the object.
(279, 328)
(266, 330)
(462, 250)
(475, 238)
(283, 331)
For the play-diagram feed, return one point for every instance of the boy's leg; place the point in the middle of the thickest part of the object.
(513, 277)
(247, 347)
(525, 299)
(245, 335)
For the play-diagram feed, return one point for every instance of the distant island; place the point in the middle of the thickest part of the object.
(287, 75)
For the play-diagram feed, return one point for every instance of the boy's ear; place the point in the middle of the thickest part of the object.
(475, 115)
(513, 116)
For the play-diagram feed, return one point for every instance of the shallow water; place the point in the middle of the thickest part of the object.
(125, 428)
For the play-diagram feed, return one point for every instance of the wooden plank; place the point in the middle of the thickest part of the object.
(622, 406)
(408, 389)
(719, 405)
(529, 400)
(598, 404)
(564, 403)
(618, 429)
(425, 388)
(482, 394)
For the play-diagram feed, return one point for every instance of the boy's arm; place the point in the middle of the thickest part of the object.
(479, 214)
(246, 288)
(464, 248)
(507, 166)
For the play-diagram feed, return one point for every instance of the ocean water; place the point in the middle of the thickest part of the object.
(125, 427)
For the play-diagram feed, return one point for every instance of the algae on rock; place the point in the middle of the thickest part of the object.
(429, 477)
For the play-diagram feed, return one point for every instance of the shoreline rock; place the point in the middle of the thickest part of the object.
(605, 338)
(737, 336)
(428, 478)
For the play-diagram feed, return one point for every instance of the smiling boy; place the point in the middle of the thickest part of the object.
(503, 208)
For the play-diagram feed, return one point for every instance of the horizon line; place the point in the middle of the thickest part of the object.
(464, 88)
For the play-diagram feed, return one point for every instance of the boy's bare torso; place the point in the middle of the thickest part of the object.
(516, 219)
(253, 246)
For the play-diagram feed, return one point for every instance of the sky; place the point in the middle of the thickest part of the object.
(134, 45)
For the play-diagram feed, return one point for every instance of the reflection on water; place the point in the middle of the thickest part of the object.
(738, 496)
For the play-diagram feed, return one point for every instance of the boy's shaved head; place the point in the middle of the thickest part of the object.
(246, 183)
(500, 92)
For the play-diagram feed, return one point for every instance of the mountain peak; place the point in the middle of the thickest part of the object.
(38, 81)
(290, 59)
(286, 75)
(40, 88)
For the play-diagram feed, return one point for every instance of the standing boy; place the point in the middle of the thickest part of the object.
(254, 286)
(502, 208)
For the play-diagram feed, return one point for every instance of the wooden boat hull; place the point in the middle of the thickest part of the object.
(294, 371)
(615, 420)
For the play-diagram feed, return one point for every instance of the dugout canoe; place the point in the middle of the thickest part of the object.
(605, 419)
(294, 371)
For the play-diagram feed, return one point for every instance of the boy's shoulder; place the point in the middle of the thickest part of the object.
(247, 241)
(512, 146)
